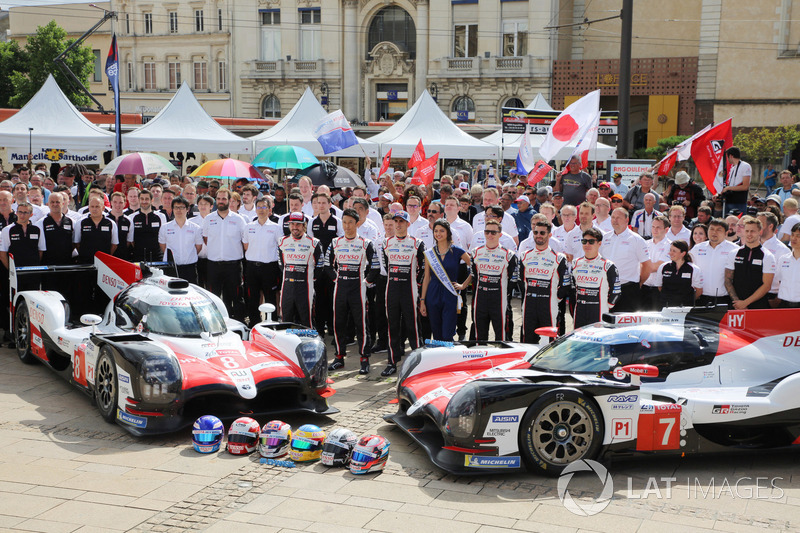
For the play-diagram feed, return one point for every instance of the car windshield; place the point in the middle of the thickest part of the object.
(186, 320)
(575, 353)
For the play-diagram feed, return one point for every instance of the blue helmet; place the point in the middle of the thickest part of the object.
(207, 434)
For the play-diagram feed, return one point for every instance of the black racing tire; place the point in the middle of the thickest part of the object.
(561, 427)
(22, 334)
(106, 384)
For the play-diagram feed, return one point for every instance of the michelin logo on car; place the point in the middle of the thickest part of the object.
(477, 461)
(127, 418)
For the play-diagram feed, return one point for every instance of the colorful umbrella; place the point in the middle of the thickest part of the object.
(138, 163)
(285, 156)
(229, 169)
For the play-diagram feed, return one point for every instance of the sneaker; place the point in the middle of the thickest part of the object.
(389, 370)
(338, 363)
(380, 347)
(461, 338)
(364, 366)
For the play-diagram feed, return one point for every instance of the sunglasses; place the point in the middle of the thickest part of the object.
(616, 201)
(588, 241)
(434, 212)
(540, 233)
(490, 232)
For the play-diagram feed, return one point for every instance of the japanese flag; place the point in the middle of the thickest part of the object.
(587, 140)
(569, 124)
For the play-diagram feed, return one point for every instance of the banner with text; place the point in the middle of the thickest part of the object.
(19, 156)
(538, 122)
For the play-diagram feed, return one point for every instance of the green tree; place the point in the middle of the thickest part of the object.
(12, 58)
(661, 148)
(767, 145)
(39, 52)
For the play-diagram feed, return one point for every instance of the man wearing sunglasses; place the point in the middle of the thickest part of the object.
(595, 280)
(494, 269)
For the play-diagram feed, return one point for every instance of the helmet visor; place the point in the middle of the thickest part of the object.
(204, 437)
(360, 456)
(303, 444)
(273, 441)
(241, 439)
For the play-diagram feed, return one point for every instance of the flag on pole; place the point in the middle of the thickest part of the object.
(385, 164)
(707, 152)
(525, 160)
(569, 124)
(426, 170)
(540, 170)
(666, 164)
(587, 140)
(334, 132)
(112, 71)
(680, 152)
(418, 156)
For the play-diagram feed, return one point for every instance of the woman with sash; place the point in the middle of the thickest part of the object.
(440, 298)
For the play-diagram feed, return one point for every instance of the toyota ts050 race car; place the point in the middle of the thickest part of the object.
(680, 381)
(165, 352)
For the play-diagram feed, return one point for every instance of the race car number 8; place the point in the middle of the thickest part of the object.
(229, 362)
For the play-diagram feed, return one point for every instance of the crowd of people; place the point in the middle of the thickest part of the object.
(397, 261)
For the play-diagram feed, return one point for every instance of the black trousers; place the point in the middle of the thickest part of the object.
(350, 310)
(651, 299)
(461, 321)
(262, 278)
(629, 298)
(401, 314)
(379, 328)
(323, 305)
(188, 272)
(202, 272)
(225, 280)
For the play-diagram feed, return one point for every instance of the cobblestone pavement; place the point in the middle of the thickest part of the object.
(62, 468)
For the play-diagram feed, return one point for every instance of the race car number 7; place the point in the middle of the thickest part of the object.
(670, 423)
(658, 428)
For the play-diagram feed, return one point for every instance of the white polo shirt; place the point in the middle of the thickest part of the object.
(788, 224)
(506, 241)
(658, 253)
(712, 263)
(777, 249)
(508, 223)
(683, 235)
(530, 244)
(262, 241)
(627, 250)
(788, 276)
(183, 241)
(573, 242)
(224, 236)
(368, 230)
(248, 214)
(464, 231)
(425, 234)
(604, 226)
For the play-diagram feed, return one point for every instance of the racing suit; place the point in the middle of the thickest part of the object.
(546, 279)
(597, 287)
(404, 261)
(495, 273)
(299, 260)
(349, 261)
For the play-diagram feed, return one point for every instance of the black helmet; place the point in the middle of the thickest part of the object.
(337, 447)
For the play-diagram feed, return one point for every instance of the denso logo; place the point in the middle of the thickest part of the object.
(619, 398)
(490, 266)
(399, 257)
(505, 419)
(112, 282)
(542, 271)
(629, 320)
(297, 257)
(592, 279)
(349, 257)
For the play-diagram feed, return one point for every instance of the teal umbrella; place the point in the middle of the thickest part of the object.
(285, 156)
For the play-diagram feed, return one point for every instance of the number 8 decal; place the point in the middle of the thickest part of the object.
(229, 362)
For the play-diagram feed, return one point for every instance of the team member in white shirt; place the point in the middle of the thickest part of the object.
(183, 238)
(585, 221)
(494, 212)
(366, 228)
(248, 207)
(628, 251)
(223, 232)
(788, 273)
(602, 221)
(260, 241)
(416, 220)
(658, 252)
(458, 225)
(490, 198)
(735, 188)
(677, 231)
(567, 232)
(711, 256)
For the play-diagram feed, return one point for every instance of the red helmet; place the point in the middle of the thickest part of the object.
(243, 436)
(369, 455)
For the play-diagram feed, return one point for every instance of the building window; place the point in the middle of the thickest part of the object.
(514, 102)
(271, 108)
(174, 69)
(97, 76)
(222, 73)
(173, 22)
(148, 23)
(130, 76)
(149, 75)
(515, 39)
(219, 19)
(310, 48)
(198, 20)
(465, 40)
(393, 24)
(127, 23)
(200, 75)
(463, 109)
(270, 34)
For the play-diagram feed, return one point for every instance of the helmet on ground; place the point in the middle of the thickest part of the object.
(243, 436)
(337, 447)
(307, 443)
(274, 439)
(207, 434)
(369, 455)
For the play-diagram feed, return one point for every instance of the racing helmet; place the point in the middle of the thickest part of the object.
(369, 455)
(307, 443)
(207, 433)
(274, 439)
(243, 436)
(337, 447)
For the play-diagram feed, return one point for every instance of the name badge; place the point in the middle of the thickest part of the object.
(686, 275)
(331, 228)
(156, 224)
(35, 236)
(757, 261)
(105, 228)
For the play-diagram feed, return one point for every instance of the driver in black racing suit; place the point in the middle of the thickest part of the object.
(595, 279)
(300, 259)
(494, 270)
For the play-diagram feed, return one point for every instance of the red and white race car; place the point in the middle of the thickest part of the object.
(165, 352)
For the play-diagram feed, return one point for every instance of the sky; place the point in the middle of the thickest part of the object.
(5, 4)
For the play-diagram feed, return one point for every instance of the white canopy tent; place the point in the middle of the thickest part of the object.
(297, 129)
(510, 141)
(183, 125)
(438, 133)
(55, 123)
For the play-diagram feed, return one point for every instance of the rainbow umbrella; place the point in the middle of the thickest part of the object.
(285, 156)
(228, 169)
(140, 163)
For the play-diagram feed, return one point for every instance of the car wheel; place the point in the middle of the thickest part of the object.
(22, 334)
(560, 428)
(106, 385)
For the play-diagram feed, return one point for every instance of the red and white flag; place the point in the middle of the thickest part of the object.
(540, 170)
(681, 152)
(418, 156)
(666, 164)
(568, 125)
(426, 170)
(385, 164)
(708, 150)
(587, 140)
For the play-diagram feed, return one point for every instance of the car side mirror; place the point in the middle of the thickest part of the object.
(267, 309)
(638, 371)
(91, 320)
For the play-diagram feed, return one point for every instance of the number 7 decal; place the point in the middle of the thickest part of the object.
(658, 428)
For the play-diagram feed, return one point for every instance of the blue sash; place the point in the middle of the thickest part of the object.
(438, 269)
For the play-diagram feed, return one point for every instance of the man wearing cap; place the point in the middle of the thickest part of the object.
(300, 259)
(523, 217)
(573, 182)
(686, 193)
(605, 189)
(618, 187)
(383, 203)
(403, 259)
